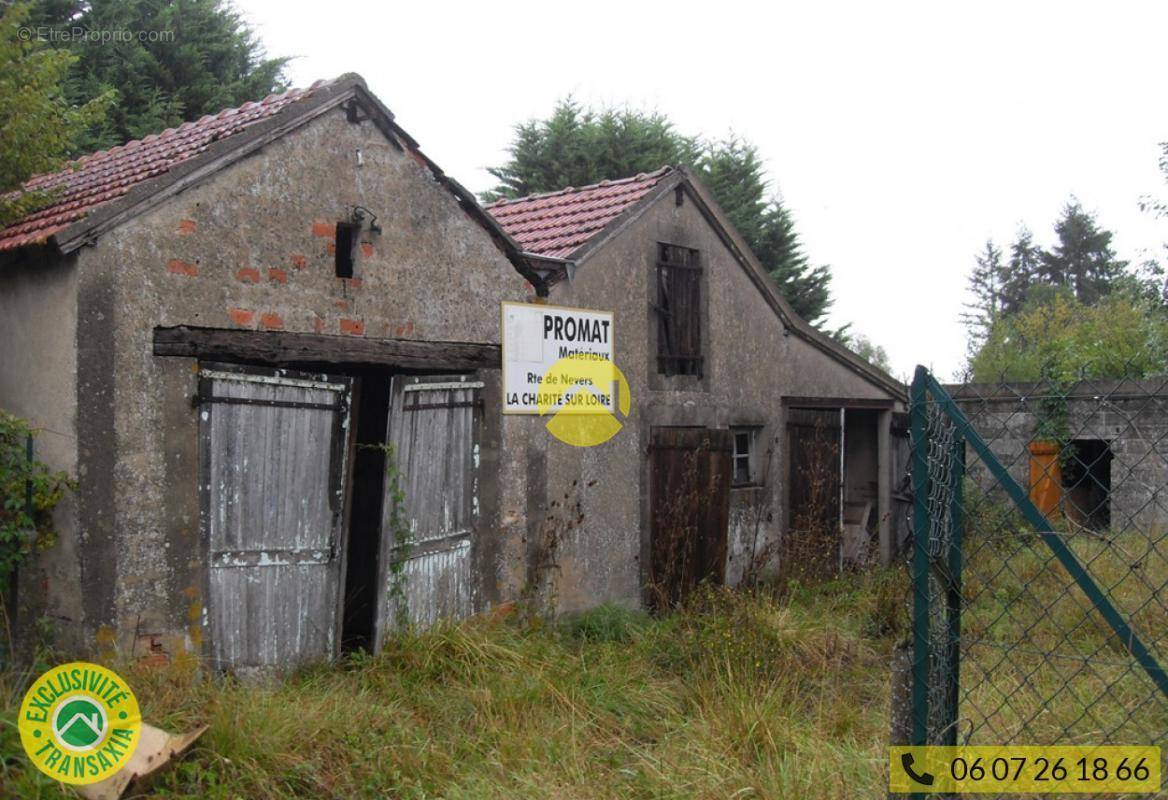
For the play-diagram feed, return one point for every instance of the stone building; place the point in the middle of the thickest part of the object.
(1094, 453)
(713, 354)
(210, 326)
(267, 343)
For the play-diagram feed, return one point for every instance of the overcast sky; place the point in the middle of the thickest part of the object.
(901, 135)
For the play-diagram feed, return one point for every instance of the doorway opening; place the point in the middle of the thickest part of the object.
(1086, 482)
(368, 490)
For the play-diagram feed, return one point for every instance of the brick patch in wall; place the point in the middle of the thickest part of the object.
(354, 327)
(271, 321)
(179, 267)
(187, 226)
(277, 275)
(298, 260)
(247, 275)
(241, 316)
(325, 230)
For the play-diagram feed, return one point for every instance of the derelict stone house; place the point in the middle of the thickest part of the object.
(219, 329)
(248, 336)
(733, 395)
(1109, 468)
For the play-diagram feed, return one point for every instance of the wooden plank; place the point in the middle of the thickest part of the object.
(432, 427)
(283, 347)
(272, 524)
(690, 510)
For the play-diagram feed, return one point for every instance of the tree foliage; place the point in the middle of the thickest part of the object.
(1061, 338)
(29, 491)
(1082, 259)
(180, 60)
(1075, 308)
(577, 146)
(871, 352)
(38, 124)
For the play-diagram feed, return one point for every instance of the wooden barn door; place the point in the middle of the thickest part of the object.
(690, 501)
(431, 501)
(815, 489)
(275, 445)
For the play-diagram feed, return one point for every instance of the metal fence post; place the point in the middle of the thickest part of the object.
(920, 478)
(953, 592)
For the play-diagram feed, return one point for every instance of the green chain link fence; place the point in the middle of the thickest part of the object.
(1040, 562)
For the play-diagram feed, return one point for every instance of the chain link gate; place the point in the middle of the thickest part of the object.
(1039, 562)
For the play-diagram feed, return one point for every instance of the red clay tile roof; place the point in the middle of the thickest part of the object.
(560, 223)
(96, 179)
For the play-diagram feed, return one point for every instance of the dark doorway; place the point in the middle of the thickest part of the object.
(689, 474)
(1086, 480)
(361, 573)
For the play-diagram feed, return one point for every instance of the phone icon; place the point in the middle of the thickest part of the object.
(923, 778)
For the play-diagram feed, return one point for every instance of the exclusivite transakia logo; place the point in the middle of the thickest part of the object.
(79, 723)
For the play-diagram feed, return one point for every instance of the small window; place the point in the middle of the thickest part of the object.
(346, 246)
(745, 456)
(679, 341)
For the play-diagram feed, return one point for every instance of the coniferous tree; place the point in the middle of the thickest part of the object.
(577, 146)
(1082, 260)
(986, 283)
(1022, 271)
(180, 59)
(38, 124)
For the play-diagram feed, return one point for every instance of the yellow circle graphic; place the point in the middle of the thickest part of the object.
(582, 393)
(79, 723)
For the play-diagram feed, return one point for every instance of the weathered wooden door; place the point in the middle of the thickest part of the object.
(814, 437)
(431, 501)
(275, 445)
(690, 501)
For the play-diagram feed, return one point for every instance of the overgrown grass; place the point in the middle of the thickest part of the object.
(737, 696)
(1040, 664)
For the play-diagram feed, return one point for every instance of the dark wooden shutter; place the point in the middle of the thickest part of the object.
(433, 428)
(679, 337)
(274, 450)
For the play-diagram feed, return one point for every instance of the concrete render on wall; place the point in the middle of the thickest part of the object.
(750, 365)
(38, 326)
(251, 248)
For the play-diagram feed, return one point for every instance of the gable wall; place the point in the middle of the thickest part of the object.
(750, 366)
(251, 249)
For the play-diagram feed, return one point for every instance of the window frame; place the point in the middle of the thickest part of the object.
(754, 436)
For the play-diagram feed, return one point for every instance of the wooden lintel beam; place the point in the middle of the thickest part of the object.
(282, 347)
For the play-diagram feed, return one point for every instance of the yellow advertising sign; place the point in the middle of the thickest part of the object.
(1024, 769)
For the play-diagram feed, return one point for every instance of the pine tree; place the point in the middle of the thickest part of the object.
(37, 123)
(985, 284)
(1022, 271)
(1082, 260)
(576, 146)
(182, 59)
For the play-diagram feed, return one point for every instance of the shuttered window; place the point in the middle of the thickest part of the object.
(679, 340)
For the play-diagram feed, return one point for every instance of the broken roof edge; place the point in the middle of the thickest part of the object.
(682, 176)
(229, 150)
